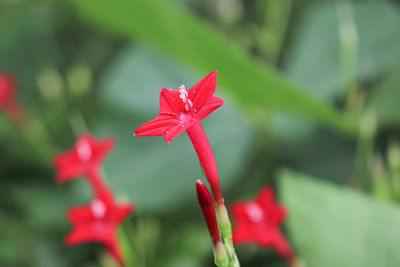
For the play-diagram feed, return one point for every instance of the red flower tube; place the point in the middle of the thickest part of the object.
(258, 222)
(182, 110)
(207, 207)
(98, 222)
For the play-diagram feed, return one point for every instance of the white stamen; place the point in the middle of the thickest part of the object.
(98, 208)
(184, 96)
(255, 212)
(83, 149)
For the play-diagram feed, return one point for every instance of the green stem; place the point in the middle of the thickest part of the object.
(226, 232)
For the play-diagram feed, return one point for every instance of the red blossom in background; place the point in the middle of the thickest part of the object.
(182, 110)
(8, 101)
(258, 222)
(8, 86)
(98, 222)
(85, 158)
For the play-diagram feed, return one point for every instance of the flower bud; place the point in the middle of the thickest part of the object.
(206, 204)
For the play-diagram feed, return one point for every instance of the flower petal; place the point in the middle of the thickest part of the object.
(80, 215)
(242, 234)
(82, 235)
(158, 126)
(173, 132)
(123, 211)
(103, 147)
(264, 237)
(68, 166)
(171, 102)
(282, 246)
(115, 250)
(203, 90)
(209, 107)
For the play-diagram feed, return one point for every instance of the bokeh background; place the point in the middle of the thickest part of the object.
(312, 107)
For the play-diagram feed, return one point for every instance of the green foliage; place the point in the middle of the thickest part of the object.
(315, 60)
(335, 226)
(196, 43)
(386, 98)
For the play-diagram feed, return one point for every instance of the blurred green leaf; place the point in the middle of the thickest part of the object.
(333, 226)
(154, 174)
(385, 99)
(172, 29)
(314, 62)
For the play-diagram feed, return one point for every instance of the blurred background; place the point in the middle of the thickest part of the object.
(312, 107)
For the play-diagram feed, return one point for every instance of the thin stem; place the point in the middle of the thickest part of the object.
(97, 183)
(348, 41)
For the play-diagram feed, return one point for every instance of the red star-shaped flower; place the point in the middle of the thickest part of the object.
(98, 222)
(181, 109)
(84, 158)
(258, 222)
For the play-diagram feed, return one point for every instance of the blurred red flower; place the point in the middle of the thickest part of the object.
(98, 222)
(258, 222)
(181, 109)
(8, 86)
(84, 158)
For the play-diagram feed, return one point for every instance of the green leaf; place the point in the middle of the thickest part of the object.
(333, 226)
(385, 99)
(172, 29)
(155, 175)
(314, 62)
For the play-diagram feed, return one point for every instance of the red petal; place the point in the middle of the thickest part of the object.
(68, 166)
(170, 102)
(114, 249)
(80, 215)
(173, 132)
(158, 126)
(281, 214)
(241, 234)
(103, 147)
(123, 211)
(81, 235)
(209, 107)
(266, 197)
(264, 236)
(238, 211)
(203, 90)
(282, 247)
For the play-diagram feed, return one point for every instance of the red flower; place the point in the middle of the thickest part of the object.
(98, 222)
(8, 102)
(206, 204)
(7, 90)
(258, 222)
(182, 110)
(84, 158)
